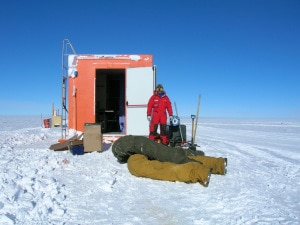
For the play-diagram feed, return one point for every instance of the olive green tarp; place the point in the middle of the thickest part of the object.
(129, 145)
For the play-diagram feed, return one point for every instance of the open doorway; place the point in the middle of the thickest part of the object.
(110, 100)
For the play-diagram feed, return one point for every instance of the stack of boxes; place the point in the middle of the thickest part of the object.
(92, 140)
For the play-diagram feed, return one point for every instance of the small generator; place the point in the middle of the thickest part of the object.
(176, 132)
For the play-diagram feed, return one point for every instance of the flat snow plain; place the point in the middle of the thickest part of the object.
(41, 186)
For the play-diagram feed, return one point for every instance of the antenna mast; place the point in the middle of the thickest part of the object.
(67, 49)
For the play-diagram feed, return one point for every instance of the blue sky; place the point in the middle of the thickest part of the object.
(243, 57)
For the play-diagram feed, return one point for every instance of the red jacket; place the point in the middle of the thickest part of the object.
(159, 105)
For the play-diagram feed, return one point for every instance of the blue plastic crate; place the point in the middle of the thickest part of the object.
(77, 150)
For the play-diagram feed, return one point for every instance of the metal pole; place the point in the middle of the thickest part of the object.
(192, 141)
(198, 108)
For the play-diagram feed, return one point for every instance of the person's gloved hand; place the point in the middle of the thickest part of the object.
(171, 118)
(148, 118)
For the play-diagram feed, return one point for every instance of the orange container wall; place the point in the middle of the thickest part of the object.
(81, 105)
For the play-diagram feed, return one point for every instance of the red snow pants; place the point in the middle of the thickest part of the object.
(159, 118)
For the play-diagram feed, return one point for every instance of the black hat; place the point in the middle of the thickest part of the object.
(159, 88)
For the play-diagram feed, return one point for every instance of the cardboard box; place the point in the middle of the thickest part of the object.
(92, 137)
(56, 121)
(76, 142)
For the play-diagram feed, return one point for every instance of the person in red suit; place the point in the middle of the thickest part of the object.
(158, 106)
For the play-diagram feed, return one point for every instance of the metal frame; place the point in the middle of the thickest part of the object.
(67, 48)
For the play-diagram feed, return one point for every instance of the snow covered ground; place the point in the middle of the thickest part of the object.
(40, 186)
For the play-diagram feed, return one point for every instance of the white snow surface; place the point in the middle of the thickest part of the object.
(41, 186)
